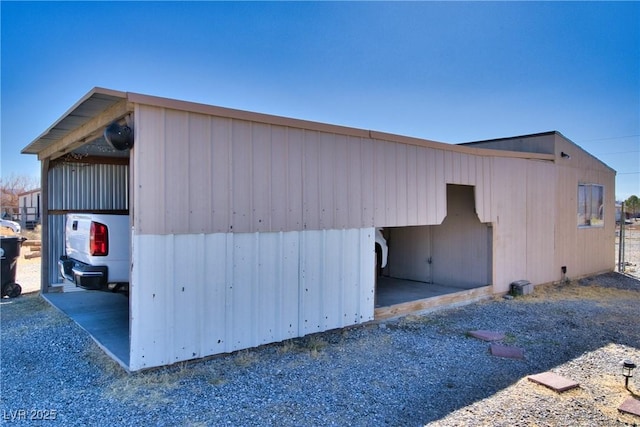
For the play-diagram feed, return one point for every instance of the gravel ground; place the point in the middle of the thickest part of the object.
(412, 371)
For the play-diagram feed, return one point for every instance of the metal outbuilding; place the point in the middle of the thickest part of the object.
(250, 229)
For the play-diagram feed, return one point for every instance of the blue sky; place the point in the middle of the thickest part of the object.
(450, 72)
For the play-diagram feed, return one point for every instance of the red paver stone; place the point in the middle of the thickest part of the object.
(487, 335)
(554, 381)
(630, 406)
(505, 351)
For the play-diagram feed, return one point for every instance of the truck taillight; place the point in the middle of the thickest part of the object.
(98, 239)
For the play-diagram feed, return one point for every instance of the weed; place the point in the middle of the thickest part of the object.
(287, 346)
(315, 343)
(245, 358)
(509, 338)
(217, 381)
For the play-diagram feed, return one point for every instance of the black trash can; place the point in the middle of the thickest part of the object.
(9, 253)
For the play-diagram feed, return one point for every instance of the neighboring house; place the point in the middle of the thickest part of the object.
(249, 228)
(30, 208)
(627, 215)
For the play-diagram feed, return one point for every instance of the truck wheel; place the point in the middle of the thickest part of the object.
(12, 290)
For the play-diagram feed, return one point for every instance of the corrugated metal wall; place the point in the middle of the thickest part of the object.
(227, 175)
(205, 185)
(82, 186)
(197, 295)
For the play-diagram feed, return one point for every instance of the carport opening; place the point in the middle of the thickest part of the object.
(93, 178)
(436, 261)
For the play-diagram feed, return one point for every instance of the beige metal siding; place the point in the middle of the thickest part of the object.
(203, 294)
(524, 202)
(540, 222)
(582, 250)
(221, 175)
(233, 175)
(461, 245)
(510, 234)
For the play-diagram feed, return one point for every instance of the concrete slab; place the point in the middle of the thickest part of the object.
(487, 335)
(631, 406)
(391, 291)
(553, 381)
(506, 351)
(104, 315)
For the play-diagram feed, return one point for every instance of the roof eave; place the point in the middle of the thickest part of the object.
(35, 147)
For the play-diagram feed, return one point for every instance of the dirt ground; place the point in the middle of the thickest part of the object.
(28, 270)
(28, 273)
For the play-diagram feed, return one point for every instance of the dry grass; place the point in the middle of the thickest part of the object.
(288, 346)
(29, 234)
(245, 358)
(35, 234)
(30, 307)
(574, 291)
(156, 385)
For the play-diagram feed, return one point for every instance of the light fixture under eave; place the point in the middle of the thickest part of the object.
(119, 137)
(565, 155)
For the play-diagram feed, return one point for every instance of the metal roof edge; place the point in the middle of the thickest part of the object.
(161, 102)
(88, 95)
(231, 113)
(560, 135)
(531, 135)
(461, 148)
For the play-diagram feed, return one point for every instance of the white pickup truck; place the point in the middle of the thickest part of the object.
(97, 251)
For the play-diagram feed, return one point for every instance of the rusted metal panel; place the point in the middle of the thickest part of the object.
(197, 295)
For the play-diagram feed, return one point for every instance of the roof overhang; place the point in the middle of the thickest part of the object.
(79, 130)
(81, 124)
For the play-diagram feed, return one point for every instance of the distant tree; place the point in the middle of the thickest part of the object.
(10, 188)
(632, 205)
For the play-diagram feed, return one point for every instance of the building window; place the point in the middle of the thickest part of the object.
(590, 205)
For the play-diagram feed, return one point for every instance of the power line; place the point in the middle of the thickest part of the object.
(628, 173)
(610, 137)
(619, 152)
